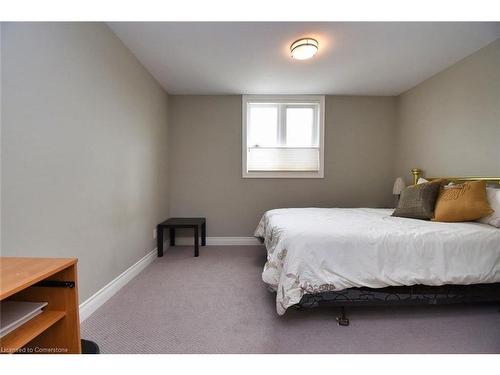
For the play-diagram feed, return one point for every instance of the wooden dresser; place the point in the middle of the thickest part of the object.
(52, 280)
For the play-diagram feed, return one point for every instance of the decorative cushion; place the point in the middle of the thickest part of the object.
(417, 201)
(493, 196)
(462, 202)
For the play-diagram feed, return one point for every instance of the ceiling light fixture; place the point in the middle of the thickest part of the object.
(304, 48)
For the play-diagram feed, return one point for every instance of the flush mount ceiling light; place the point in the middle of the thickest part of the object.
(304, 48)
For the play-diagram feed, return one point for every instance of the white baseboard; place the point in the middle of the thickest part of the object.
(219, 241)
(101, 296)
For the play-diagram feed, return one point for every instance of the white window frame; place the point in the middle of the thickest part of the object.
(316, 99)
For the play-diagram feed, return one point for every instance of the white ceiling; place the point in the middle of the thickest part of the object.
(253, 58)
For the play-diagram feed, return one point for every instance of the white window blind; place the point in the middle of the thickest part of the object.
(283, 159)
(282, 137)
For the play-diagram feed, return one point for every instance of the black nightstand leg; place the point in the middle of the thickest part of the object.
(203, 234)
(159, 239)
(172, 237)
(196, 241)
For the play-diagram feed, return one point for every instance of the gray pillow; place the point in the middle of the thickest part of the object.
(418, 201)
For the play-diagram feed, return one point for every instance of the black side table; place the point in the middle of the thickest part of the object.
(173, 223)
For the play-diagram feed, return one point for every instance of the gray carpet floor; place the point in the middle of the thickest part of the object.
(217, 303)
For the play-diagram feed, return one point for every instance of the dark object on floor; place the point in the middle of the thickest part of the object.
(197, 223)
(342, 320)
(89, 347)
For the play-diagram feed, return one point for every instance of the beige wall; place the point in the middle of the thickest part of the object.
(84, 149)
(450, 123)
(205, 162)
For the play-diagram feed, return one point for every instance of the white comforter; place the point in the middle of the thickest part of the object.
(311, 250)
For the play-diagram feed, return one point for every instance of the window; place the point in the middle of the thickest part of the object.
(283, 136)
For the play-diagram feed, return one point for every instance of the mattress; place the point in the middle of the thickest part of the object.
(316, 250)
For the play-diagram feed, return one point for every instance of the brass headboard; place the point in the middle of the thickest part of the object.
(417, 173)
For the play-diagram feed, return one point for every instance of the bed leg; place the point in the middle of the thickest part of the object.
(342, 320)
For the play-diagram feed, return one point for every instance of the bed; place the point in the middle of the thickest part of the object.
(342, 257)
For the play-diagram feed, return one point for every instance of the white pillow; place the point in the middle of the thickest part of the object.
(494, 201)
(423, 181)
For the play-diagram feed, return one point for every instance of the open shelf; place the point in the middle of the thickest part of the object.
(51, 280)
(29, 330)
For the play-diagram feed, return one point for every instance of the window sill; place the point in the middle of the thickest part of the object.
(278, 174)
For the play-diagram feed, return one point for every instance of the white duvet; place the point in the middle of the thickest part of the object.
(311, 250)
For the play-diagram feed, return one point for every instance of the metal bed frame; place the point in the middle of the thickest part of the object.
(407, 295)
(402, 295)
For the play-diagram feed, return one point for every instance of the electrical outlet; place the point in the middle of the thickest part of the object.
(154, 234)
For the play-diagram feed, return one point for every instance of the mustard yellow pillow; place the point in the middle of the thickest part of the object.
(462, 202)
